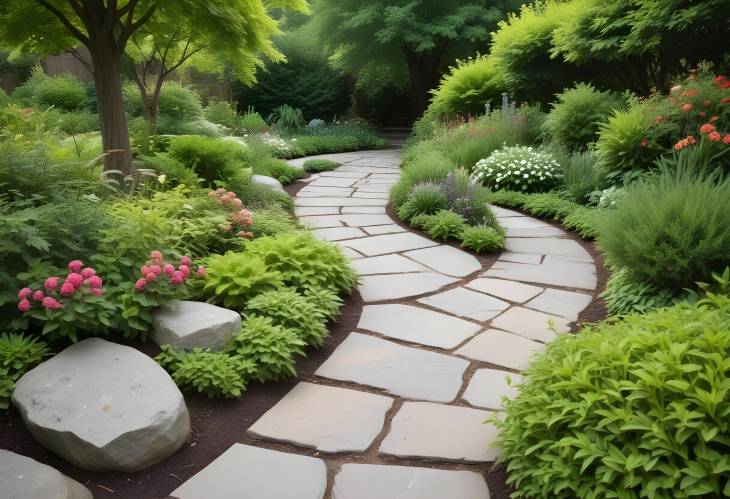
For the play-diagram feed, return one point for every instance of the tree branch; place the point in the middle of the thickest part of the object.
(64, 20)
(76, 55)
(131, 27)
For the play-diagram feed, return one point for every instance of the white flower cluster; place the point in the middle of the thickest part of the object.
(316, 123)
(518, 168)
(611, 197)
(277, 144)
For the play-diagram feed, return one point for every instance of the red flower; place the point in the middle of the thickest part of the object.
(726, 139)
(725, 100)
(687, 107)
(707, 128)
(720, 79)
(691, 139)
(714, 136)
(645, 142)
(690, 93)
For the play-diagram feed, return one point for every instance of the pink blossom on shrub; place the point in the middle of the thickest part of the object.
(51, 303)
(176, 278)
(51, 283)
(139, 285)
(184, 270)
(75, 265)
(67, 289)
(88, 272)
(38, 295)
(249, 235)
(151, 276)
(94, 281)
(201, 271)
(24, 293)
(186, 260)
(155, 269)
(96, 291)
(76, 280)
(156, 256)
(168, 269)
(24, 305)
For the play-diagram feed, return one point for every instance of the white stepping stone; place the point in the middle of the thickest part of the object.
(332, 201)
(374, 481)
(447, 260)
(361, 169)
(244, 471)
(487, 387)
(384, 229)
(389, 243)
(533, 232)
(370, 195)
(466, 303)
(190, 324)
(403, 371)
(530, 324)
(333, 182)
(326, 418)
(501, 349)
(522, 223)
(321, 222)
(374, 188)
(364, 209)
(442, 432)
(338, 233)
(386, 264)
(508, 290)
(504, 213)
(365, 220)
(568, 304)
(312, 191)
(25, 478)
(340, 174)
(394, 286)
(550, 272)
(316, 210)
(546, 246)
(351, 253)
(416, 325)
(532, 258)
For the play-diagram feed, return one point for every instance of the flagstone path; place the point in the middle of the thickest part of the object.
(416, 381)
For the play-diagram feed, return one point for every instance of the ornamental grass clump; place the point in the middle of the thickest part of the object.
(518, 168)
(629, 409)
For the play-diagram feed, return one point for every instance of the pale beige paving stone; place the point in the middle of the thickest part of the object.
(338, 233)
(388, 243)
(375, 230)
(395, 286)
(321, 222)
(541, 232)
(447, 260)
(501, 349)
(313, 192)
(326, 418)
(364, 210)
(386, 264)
(531, 324)
(546, 246)
(335, 201)
(466, 303)
(549, 272)
(508, 290)
(531, 258)
(504, 213)
(441, 432)
(568, 304)
(488, 386)
(341, 182)
(316, 210)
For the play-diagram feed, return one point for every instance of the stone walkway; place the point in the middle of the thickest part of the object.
(406, 395)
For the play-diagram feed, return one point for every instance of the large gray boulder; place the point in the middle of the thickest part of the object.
(103, 407)
(25, 478)
(269, 182)
(191, 324)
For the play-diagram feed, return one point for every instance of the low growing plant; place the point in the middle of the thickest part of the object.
(293, 311)
(625, 294)
(518, 168)
(320, 165)
(18, 354)
(424, 199)
(234, 278)
(482, 238)
(444, 225)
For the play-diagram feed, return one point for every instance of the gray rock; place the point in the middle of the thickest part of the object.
(192, 324)
(267, 181)
(103, 407)
(25, 478)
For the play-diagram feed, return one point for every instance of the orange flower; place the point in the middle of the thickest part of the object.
(687, 107)
(714, 136)
(725, 100)
(707, 128)
(726, 139)
(682, 143)
(690, 93)
(691, 139)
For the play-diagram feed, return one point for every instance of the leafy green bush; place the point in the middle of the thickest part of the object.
(291, 310)
(574, 119)
(234, 278)
(179, 102)
(63, 92)
(469, 87)
(327, 301)
(257, 196)
(672, 229)
(18, 354)
(320, 165)
(620, 148)
(481, 238)
(175, 172)
(278, 169)
(549, 205)
(444, 225)
(222, 113)
(510, 199)
(251, 122)
(518, 168)
(216, 374)
(585, 221)
(212, 159)
(287, 118)
(636, 408)
(72, 122)
(625, 294)
(424, 199)
(580, 176)
(468, 198)
(271, 221)
(418, 171)
(301, 261)
(269, 348)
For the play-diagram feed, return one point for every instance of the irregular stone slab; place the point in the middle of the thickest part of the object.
(326, 418)
(340, 174)
(191, 324)
(447, 260)
(416, 325)
(389, 243)
(372, 481)
(25, 478)
(546, 246)
(501, 348)
(269, 182)
(566, 304)
(522, 223)
(404, 371)
(338, 233)
(321, 222)
(374, 188)
(442, 432)
(244, 471)
(316, 210)
(569, 275)
(364, 209)
(465, 303)
(487, 387)
(370, 195)
(364, 220)
(504, 213)
(532, 258)
(546, 232)
(386, 264)
(103, 407)
(509, 290)
(313, 191)
(333, 201)
(384, 229)
(393, 286)
(333, 182)
(351, 253)
(363, 169)
(530, 323)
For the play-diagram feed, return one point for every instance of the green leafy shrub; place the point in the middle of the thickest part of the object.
(625, 294)
(287, 118)
(251, 122)
(468, 88)
(636, 408)
(175, 172)
(549, 205)
(257, 196)
(510, 199)
(216, 374)
(585, 221)
(269, 348)
(18, 354)
(234, 278)
(444, 225)
(574, 119)
(212, 159)
(611, 197)
(619, 148)
(222, 113)
(72, 122)
(291, 310)
(518, 168)
(327, 301)
(179, 102)
(63, 92)
(581, 178)
(320, 165)
(271, 221)
(302, 261)
(468, 198)
(278, 169)
(418, 171)
(481, 238)
(671, 230)
(424, 199)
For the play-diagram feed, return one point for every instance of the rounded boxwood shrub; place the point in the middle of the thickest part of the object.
(637, 408)
(481, 238)
(468, 88)
(64, 92)
(518, 168)
(424, 199)
(212, 159)
(672, 229)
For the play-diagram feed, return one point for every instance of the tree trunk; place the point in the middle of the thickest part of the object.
(155, 102)
(424, 72)
(114, 132)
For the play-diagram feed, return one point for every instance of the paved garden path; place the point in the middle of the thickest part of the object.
(440, 338)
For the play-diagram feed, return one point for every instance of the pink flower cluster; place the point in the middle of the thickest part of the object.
(78, 280)
(241, 218)
(156, 269)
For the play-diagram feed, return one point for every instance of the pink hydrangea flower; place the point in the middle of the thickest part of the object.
(145, 269)
(168, 269)
(38, 295)
(185, 270)
(176, 278)
(237, 203)
(94, 281)
(51, 303)
(201, 271)
(156, 256)
(24, 305)
(139, 285)
(51, 283)
(88, 272)
(240, 234)
(155, 269)
(249, 235)
(24, 293)
(96, 291)
(186, 260)
(67, 289)
(75, 279)
(75, 265)
(150, 277)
